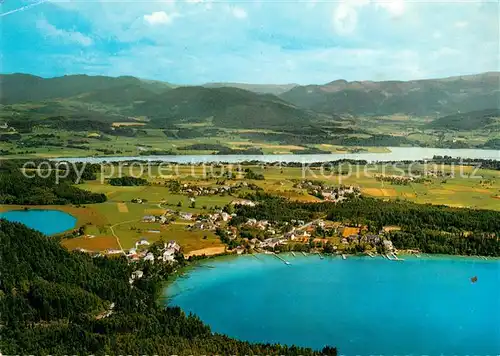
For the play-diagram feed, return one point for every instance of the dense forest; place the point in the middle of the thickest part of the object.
(274, 208)
(127, 181)
(56, 302)
(52, 185)
(415, 216)
(221, 149)
(483, 163)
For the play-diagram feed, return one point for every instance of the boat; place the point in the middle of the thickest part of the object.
(293, 254)
(370, 254)
(344, 257)
(305, 254)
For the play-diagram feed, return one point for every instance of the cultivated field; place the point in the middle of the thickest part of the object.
(119, 217)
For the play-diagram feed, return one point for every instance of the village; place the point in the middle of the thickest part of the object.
(220, 215)
(263, 236)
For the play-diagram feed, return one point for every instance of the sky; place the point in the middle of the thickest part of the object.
(259, 41)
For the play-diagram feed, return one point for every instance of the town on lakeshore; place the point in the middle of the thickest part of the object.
(269, 208)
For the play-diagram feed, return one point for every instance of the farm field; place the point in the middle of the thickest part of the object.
(122, 219)
(154, 140)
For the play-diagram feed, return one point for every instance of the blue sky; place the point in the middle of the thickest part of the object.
(198, 41)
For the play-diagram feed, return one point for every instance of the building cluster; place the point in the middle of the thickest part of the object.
(162, 219)
(327, 192)
(399, 180)
(210, 221)
(222, 189)
(245, 202)
(312, 231)
(167, 252)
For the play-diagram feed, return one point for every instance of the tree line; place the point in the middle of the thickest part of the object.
(53, 185)
(57, 302)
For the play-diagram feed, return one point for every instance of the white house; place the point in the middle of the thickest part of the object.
(388, 245)
(168, 256)
(172, 245)
(148, 218)
(137, 274)
(185, 216)
(141, 242)
(149, 257)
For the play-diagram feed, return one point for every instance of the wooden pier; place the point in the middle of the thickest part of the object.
(282, 259)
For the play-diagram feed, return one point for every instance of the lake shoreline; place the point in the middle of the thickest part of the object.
(342, 299)
(395, 154)
(198, 263)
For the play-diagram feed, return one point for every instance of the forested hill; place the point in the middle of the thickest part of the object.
(417, 97)
(53, 302)
(227, 107)
(275, 89)
(481, 119)
(18, 88)
(56, 186)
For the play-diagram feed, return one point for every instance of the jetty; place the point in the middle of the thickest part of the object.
(282, 259)
(396, 258)
(344, 257)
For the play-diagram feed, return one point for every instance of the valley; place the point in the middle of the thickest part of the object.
(82, 115)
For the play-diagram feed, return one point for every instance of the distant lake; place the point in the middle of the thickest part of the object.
(396, 154)
(48, 222)
(364, 306)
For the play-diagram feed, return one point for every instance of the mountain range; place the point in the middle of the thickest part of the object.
(254, 106)
(428, 97)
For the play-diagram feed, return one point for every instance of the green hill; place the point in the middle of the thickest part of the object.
(418, 97)
(123, 95)
(227, 107)
(54, 302)
(17, 88)
(474, 120)
(275, 89)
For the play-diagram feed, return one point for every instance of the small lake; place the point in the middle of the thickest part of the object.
(48, 222)
(364, 306)
(396, 154)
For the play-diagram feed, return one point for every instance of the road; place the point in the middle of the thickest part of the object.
(116, 236)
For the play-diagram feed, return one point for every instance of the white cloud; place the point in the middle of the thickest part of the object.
(461, 24)
(446, 51)
(65, 36)
(239, 13)
(394, 7)
(437, 34)
(345, 16)
(345, 19)
(160, 17)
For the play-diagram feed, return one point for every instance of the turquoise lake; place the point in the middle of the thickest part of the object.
(48, 222)
(362, 305)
